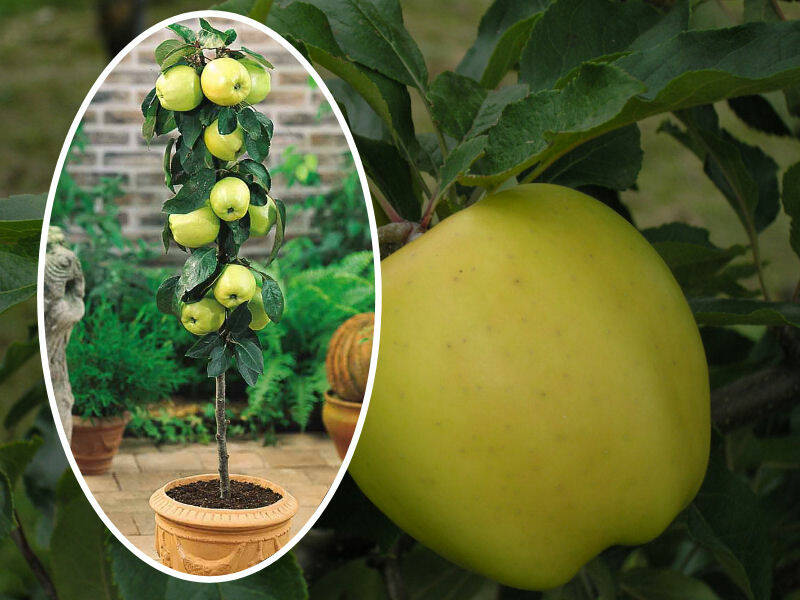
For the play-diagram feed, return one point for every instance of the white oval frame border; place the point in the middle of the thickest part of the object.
(40, 286)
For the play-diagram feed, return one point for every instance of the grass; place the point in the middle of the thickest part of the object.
(52, 56)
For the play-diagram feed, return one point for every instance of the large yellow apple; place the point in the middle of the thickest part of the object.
(178, 88)
(203, 316)
(541, 391)
(260, 81)
(195, 229)
(226, 146)
(225, 81)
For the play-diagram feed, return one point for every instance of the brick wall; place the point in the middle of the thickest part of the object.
(113, 124)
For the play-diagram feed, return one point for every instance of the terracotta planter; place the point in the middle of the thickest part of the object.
(95, 442)
(340, 418)
(218, 541)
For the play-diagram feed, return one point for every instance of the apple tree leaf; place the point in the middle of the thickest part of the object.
(664, 584)
(209, 37)
(198, 268)
(257, 172)
(455, 101)
(166, 164)
(184, 32)
(203, 347)
(259, 58)
(168, 294)
(791, 204)
(273, 298)
(503, 32)
(737, 311)
(193, 194)
(248, 354)
(758, 113)
(218, 361)
(226, 121)
(6, 507)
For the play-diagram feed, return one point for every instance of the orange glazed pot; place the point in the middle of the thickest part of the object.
(340, 418)
(218, 541)
(96, 441)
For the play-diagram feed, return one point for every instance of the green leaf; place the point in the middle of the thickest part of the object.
(193, 194)
(150, 107)
(206, 344)
(218, 361)
(25, 404)
(455, 101)
(553, 50)
(249, 357)
(20, 229)
(259, 58)
(695, 262)
(230, 36)
(388, 169)
(168, 294)
(227, 120)
(791, 204)
(209, 37)
(745, 175)
(250, 123)
(724, 311)
(193, 159)
(6, 507)
(135, 579)
(283, 580)
(17, 354)
(258, 171)
(80, 570)
(693, 68)
(169, 52)
(728, 521)
(502, 33)
(257, 148)
(662, 584)
(166, 164)
(280, 230)
(190, 126)
(430, 577)
(267, 126)
(15, 456)
(493, 106)
(165, 121)
(612, 160)
(272, 296)
(307, 26)
(184, 32)
(198, 268)
(353, 580)
(757, 112)
(460, 159)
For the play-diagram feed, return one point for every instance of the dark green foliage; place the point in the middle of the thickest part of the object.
(115, 364)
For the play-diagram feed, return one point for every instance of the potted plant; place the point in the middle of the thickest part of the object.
(347, 365)
(114, 367)
(218, 523)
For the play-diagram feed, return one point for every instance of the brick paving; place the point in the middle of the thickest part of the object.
(304, 463)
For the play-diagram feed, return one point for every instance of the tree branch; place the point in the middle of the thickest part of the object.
(392, 577)
(760, 393)
(18, 535)
(222, 444)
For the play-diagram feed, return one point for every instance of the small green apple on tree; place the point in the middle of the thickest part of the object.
(221, 202)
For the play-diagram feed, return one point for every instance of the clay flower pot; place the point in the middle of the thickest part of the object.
(96, 441)
(218, 541)
(340, 418)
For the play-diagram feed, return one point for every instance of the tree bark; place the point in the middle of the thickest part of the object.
(222, 443)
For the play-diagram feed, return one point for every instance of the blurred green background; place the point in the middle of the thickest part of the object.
(52, 55)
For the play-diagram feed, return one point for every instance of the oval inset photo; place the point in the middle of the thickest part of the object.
(208, 294)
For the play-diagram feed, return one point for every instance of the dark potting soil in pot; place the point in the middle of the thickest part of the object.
(206, 495)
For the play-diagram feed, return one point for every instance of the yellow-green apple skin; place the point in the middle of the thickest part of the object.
(260, 81)
(258, 316)
(202, 317)
(235, 285)
(195, 229)
(262, 218)
(230, 198)
(541, 390)
(225, 146)
(178, 88)
(225, 81)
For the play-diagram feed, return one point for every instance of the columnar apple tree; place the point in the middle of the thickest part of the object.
(206, 90)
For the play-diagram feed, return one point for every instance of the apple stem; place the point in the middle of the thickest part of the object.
(222, 443)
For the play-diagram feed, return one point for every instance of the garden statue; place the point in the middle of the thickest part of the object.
(63, 307)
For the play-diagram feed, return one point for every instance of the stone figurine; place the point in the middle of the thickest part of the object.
(63, 307)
